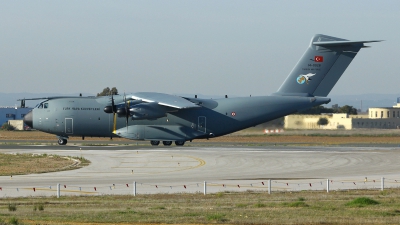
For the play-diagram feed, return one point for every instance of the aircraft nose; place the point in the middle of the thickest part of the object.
(28, 119)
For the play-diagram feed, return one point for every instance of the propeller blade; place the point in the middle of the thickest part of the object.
(114, 110)
(114, 123)
(127, 112)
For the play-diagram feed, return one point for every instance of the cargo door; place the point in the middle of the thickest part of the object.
(69, 125)
(201, 125)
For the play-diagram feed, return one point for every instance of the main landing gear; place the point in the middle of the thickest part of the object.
(154, 143)
(179, 143)
(62, 141)
(167, 143)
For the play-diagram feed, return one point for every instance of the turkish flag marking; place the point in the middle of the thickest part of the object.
(318, 58)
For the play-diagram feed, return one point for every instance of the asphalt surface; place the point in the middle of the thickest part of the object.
(114, 169)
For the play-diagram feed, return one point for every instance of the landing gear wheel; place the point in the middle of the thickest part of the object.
(154, 143)
(179, 143)
(167, 143)
(62, 141)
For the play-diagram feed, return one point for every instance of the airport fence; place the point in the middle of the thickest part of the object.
(268, 186)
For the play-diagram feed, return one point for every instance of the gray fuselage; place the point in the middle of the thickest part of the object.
(84, 116)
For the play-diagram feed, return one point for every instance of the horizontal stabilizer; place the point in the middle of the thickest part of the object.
(342, 43)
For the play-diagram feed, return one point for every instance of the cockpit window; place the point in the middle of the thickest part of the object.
(42, 105)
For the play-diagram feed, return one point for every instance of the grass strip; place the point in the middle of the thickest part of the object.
(18, 164)
(305, 207)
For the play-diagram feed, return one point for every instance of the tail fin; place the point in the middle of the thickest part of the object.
(321, 66)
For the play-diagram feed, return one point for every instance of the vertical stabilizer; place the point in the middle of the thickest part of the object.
(321, 66)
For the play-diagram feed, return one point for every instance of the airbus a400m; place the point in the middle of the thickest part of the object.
(167, 118)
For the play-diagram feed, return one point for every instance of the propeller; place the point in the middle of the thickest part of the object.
(121, 111)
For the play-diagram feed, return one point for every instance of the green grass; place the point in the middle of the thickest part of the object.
(12, 207)
(305, 207)
(361, 202)
(297, 204)
(13, 221)
(218, 217)
(260, 205)
(158, 207)
(241, 205)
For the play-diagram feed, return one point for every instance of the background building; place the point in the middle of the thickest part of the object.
(379, 118)
(12, 113)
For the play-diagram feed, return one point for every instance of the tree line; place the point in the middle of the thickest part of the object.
(316, 110)
(107, 91)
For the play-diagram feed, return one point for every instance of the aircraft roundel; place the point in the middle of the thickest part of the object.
(233, 114)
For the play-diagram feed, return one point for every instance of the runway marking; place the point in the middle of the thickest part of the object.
(139, 157)
(127, 157)
(175, 161)
(152, 167)
(113, 172)
(174, 168)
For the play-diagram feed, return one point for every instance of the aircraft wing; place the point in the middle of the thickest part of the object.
(164, 99)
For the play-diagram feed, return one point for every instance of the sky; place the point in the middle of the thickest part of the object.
(208, 47)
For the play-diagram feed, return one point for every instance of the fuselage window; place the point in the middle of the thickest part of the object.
(46, 105)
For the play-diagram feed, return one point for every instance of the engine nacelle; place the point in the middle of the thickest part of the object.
(108, 109)
(121, 112)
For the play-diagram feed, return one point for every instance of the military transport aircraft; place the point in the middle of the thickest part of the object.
(162, 117)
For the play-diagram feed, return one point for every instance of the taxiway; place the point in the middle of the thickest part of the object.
(114, 169)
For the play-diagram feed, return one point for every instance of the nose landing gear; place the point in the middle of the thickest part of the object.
(62, 140)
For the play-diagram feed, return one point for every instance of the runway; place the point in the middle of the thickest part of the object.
(114, 169)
